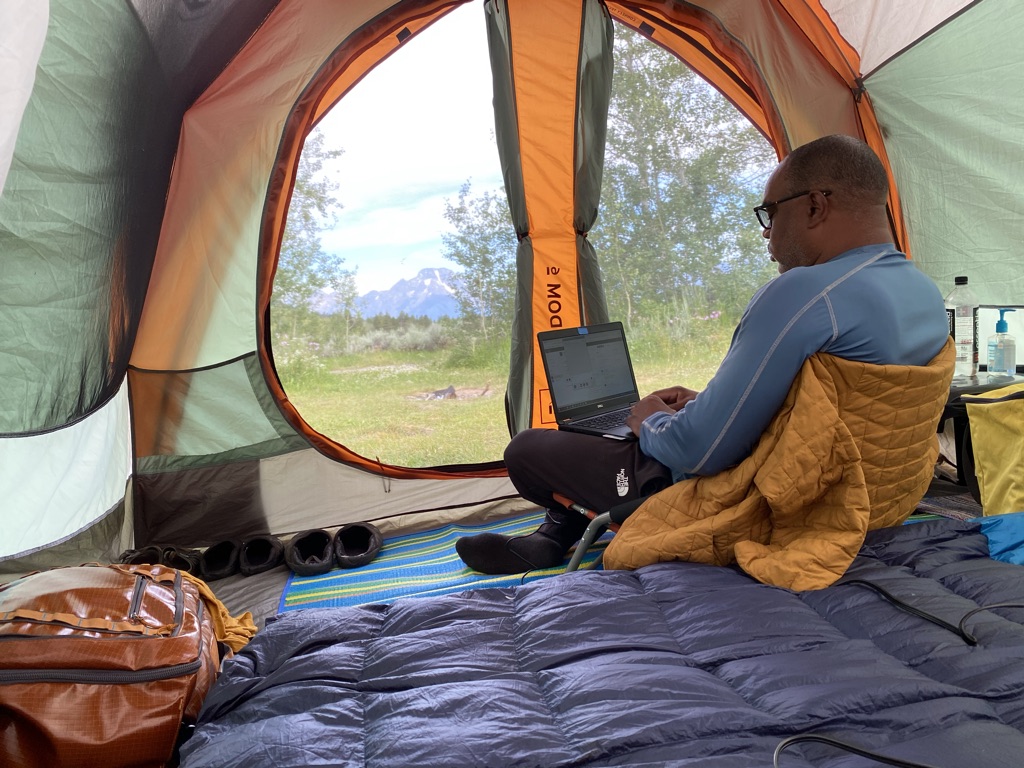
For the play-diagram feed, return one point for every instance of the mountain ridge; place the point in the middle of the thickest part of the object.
(431, 293)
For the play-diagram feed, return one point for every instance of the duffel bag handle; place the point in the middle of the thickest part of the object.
(137, 627)
(162, 574)
(133, 625)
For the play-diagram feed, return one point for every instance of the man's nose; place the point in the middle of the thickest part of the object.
(766, 233)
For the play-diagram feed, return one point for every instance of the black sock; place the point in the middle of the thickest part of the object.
(544, 548)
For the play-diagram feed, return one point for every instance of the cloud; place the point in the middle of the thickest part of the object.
(390, 223)
(379, 267)
(413, 131)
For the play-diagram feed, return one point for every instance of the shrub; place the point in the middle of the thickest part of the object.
(298, 360)
(413, 339)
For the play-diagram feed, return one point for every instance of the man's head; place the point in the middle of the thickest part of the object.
(824, 198)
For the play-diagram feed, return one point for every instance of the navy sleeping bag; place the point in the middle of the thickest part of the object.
(672, 665)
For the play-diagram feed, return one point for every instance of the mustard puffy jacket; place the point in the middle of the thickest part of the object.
(853, 448)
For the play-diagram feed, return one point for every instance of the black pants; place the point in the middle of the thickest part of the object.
(596, 472)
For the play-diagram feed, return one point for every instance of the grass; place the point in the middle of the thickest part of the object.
(382, 405)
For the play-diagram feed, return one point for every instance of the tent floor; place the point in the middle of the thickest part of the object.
(260, 594)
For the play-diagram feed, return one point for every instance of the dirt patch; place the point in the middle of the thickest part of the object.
(453, 393)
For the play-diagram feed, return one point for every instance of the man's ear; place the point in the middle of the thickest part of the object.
(817, 208)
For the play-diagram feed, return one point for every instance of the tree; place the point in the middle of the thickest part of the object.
(484, 245)
(304, 270)
(683, 168)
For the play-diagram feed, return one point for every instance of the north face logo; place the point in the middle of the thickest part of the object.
(622, 483)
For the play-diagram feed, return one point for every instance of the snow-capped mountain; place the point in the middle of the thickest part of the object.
(430, 293)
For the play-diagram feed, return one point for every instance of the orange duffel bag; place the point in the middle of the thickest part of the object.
(101, 665)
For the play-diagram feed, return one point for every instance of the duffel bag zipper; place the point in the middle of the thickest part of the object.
(137, 595)
(99, 676)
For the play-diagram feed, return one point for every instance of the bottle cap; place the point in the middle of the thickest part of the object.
(1001, 326)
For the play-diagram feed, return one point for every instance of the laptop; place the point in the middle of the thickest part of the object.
(590, 378)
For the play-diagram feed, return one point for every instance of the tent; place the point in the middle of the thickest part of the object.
(147, 152)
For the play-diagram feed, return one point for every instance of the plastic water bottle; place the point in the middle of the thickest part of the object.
(962, 311)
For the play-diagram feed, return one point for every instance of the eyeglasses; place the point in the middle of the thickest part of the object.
(765, 219)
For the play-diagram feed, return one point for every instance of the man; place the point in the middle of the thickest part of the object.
(843, 289)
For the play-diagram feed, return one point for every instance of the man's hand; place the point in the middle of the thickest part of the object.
(667, 400)
(675, 397)
(643, 409)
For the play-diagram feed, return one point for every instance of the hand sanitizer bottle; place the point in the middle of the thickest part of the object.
(1002, 348)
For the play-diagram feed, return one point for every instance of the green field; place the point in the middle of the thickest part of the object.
(382, 404)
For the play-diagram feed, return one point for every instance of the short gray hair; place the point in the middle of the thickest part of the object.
(841, 164)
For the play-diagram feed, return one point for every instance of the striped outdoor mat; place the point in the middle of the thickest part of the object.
(956, 506)
(417, 565)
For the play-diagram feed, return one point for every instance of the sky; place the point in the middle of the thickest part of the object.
(413, 131)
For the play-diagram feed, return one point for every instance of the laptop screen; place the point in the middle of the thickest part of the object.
(587, 366)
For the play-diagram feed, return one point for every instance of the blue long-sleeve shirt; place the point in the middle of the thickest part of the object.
(870, 304)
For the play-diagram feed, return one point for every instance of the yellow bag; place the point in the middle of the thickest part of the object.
(997, 433)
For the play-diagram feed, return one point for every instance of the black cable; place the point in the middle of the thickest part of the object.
(966, 634)
(844, 746)
(906, 607)
(958, 630)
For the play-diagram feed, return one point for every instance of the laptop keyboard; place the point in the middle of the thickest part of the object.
(605, 420)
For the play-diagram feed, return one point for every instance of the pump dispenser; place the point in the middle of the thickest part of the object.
(1002, 348)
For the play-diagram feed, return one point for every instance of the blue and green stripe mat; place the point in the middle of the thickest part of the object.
(417, 565)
